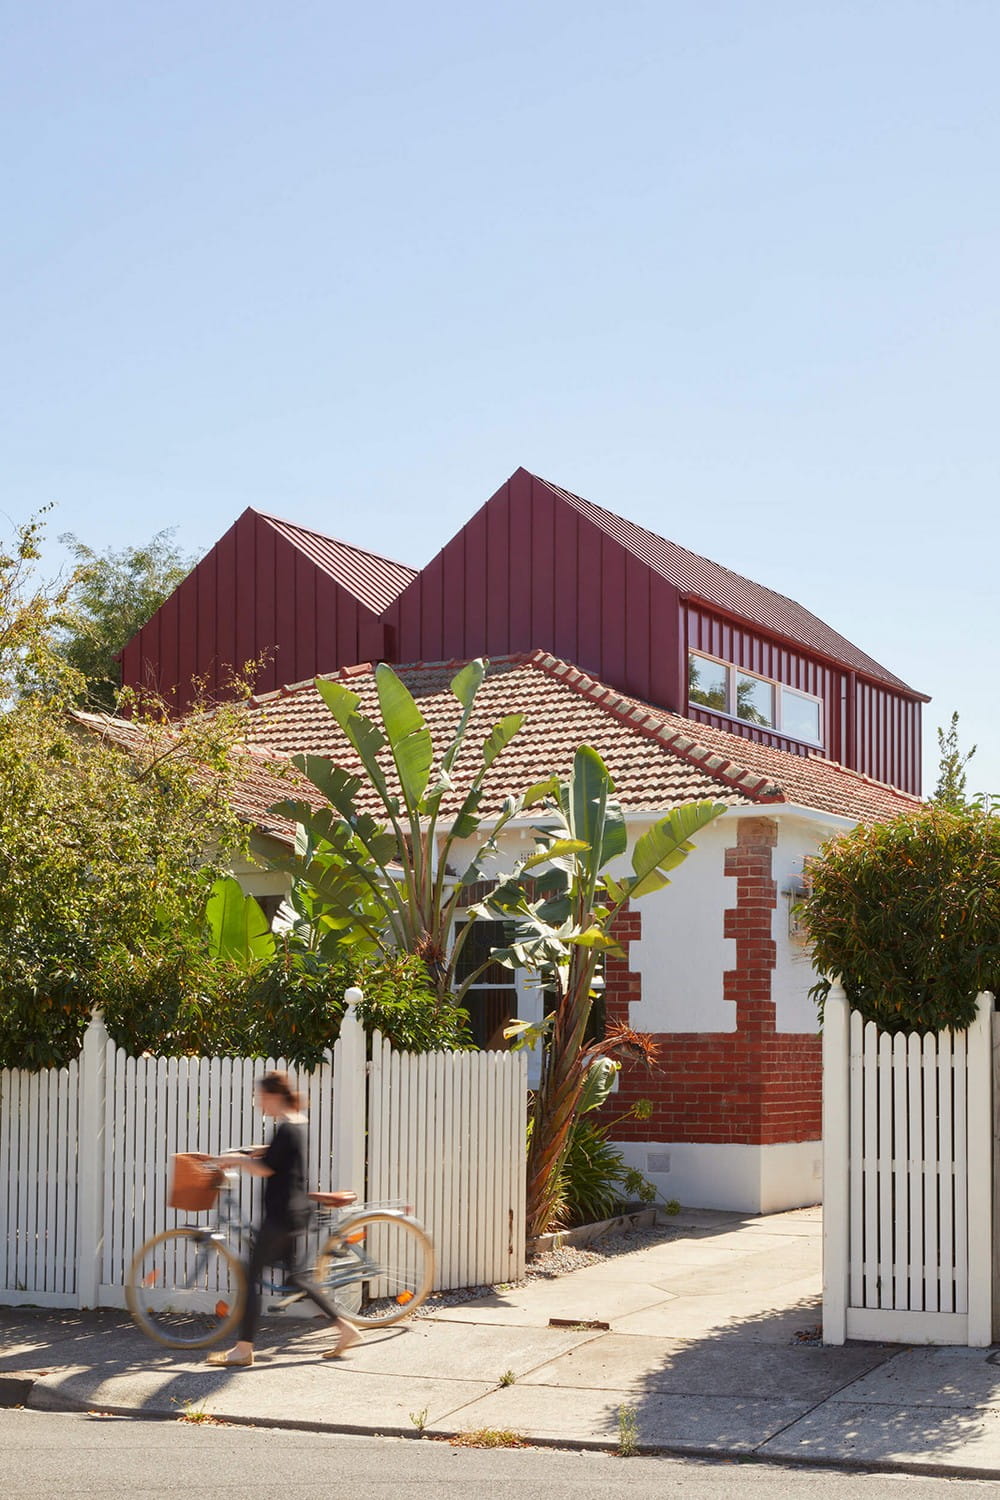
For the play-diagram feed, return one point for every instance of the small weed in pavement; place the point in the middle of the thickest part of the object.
(628, 1432)
(488, 1437)
(197, 1415)
(508, 1377)
(419, 1418)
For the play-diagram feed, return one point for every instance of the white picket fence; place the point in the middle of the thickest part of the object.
(907, 1181)
(85, 1150)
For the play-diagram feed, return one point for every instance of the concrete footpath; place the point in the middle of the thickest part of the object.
(709, 1338)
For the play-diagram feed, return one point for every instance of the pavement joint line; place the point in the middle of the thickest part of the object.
(822, 1402)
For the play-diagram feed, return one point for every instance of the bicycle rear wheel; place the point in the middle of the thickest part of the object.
(378, 1267)
(185, 1289)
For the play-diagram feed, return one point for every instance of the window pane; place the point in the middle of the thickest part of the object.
(799, 716)
(476, 949)
(754, 700)
(707, 683)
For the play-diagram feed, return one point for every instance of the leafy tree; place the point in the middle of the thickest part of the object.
(100, 850)
(561, 902)
(31, 613)
(114, 593)
(907, 913)
(950, 789)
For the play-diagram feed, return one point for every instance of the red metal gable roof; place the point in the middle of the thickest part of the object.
(698, 578)
(373, 580)
(658, 760)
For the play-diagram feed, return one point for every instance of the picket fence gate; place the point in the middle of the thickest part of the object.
(907, 1180)
(85, 1151)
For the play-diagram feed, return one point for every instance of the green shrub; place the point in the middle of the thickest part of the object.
(179, 1003)
(907, 913)
(592, 1176)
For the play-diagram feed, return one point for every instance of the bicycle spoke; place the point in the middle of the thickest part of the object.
(378, 1267)
(185, 1289)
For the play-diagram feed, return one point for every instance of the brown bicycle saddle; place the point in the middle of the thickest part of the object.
(333, 1200)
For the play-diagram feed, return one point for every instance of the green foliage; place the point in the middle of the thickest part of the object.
(31, 612)
(562, 919)
(591, 1176)
(628, 1431)
(238, 931)
(98, 847)
(185, 1003)
(376, 885)
(951, 783)
(907, 913)
(594, 1182)
(112, 594)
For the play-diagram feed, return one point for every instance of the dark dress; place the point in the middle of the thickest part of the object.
(286, 1214)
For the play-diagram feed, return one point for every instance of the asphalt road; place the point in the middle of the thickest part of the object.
(45, 1454)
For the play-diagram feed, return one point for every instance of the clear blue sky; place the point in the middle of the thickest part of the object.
(730, 269)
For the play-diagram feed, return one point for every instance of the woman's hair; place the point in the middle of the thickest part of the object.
(277, 1083)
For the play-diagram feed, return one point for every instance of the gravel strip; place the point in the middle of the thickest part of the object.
(560, 1262)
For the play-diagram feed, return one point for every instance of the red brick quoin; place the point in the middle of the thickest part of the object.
(754, 1086)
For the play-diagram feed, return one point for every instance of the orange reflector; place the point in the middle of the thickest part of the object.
(150, 1278)
(222, 1309)
(355, 1239)
(404, 1298)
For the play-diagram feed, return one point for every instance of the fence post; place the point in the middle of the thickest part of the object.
(350, 1091)
(90, 1162)
(980, 1169)
(836, 1164)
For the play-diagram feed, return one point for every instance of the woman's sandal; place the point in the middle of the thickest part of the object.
(223, 1360)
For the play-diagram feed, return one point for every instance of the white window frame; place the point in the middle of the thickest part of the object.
(732, 670)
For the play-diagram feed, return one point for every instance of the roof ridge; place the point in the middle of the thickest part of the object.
(327, 536)
(699, 556)
(584, 506)
(347, 672)
(647, 722)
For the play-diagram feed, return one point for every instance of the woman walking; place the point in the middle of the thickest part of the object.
(282, 1165)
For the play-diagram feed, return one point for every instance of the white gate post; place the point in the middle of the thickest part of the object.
(349, 1094)
(90, 1163)
(980, 1170)
(836, 1164)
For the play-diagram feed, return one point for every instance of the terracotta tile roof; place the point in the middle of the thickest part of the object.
(658, 760)
(373, 580)
(697, 578)
(263, 779)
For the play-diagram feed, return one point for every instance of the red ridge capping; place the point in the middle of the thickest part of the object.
(631, 714)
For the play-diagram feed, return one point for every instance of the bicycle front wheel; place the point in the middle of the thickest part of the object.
(378, 1268)
(185, 1289)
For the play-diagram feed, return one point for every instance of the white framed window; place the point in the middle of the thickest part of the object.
(727, 689)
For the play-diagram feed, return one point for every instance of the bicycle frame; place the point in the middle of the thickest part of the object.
(231, 1225)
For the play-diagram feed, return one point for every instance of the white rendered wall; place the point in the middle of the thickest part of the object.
(682, 954)
(746, 1179)
(793, 972)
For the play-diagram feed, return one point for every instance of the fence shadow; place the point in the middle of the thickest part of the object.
(100, 1358)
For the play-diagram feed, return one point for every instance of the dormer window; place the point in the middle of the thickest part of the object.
(729, 690)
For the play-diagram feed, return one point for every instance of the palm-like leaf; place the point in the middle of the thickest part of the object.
(666, 845)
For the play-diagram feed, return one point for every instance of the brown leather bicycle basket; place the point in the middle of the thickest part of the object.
(194, 1183)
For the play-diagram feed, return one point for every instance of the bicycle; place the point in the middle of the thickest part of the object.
(186, 1287)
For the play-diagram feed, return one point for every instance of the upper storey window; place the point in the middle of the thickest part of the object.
(727, 689)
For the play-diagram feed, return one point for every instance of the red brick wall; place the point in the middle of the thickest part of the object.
(753, 1086)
